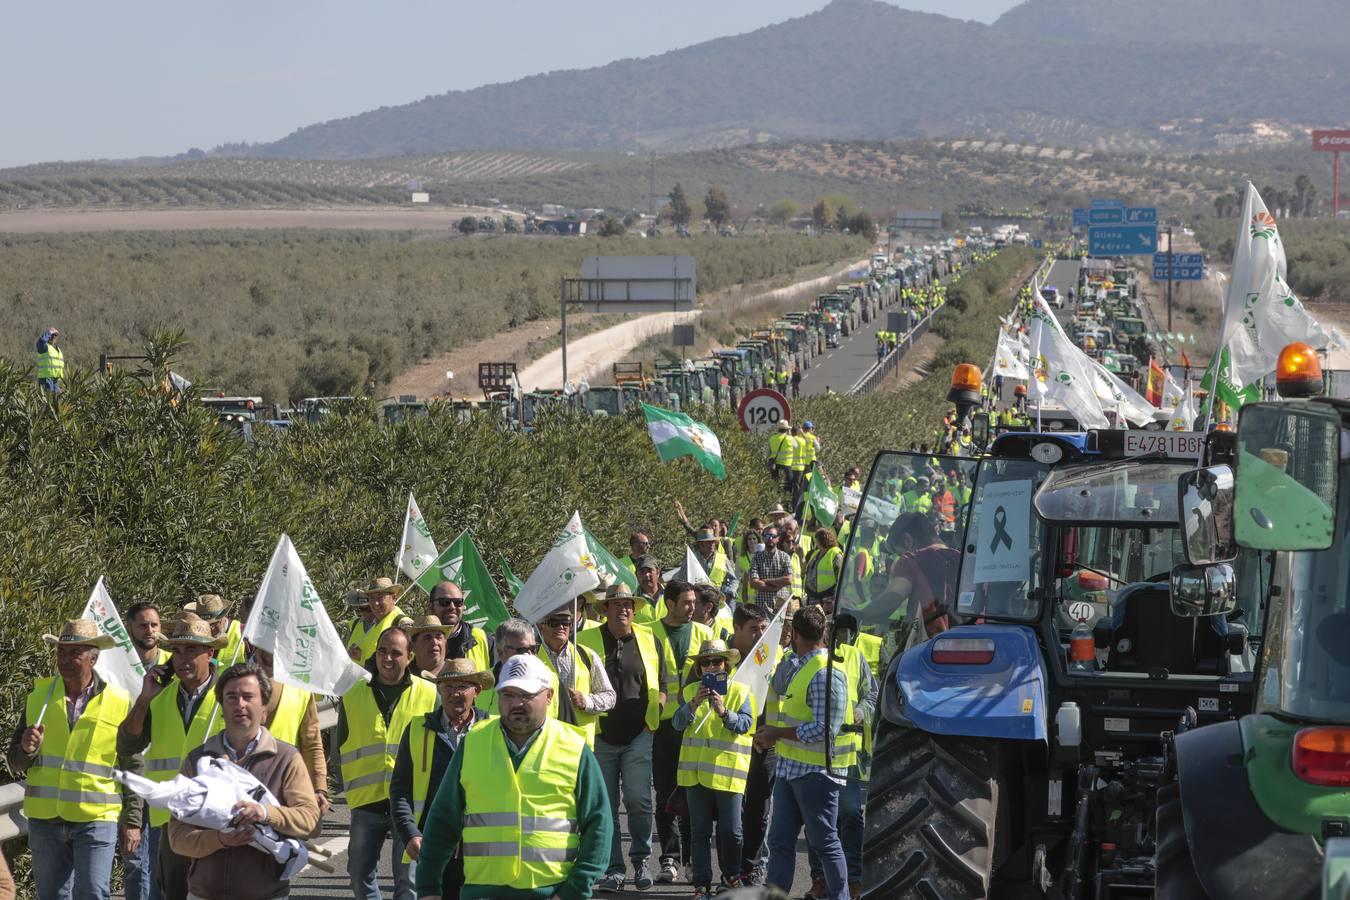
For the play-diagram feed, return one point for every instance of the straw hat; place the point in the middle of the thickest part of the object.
(377, 586)
(777, 510)
(621, 591)
(704, 534)
(80, 633)
(718, 648)
(208, 606)
(191, 629)
(462, 670)
(428, 623)
(356, 599)
(783, 425)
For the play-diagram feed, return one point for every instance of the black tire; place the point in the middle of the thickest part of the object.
(1174, 876)
(934, 808)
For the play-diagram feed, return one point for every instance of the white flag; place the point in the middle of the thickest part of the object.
(693, 569)
(1173, 393)
(289, 620)
(119, 665)
(1183, 417)
(416, 550)
(1008, 358)
(1261, 314)
(756, 670)
(1064, 374)
(567, 571)
(1119, 396)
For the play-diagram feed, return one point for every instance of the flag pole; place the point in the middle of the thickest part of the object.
(211, 722)
(45, 703)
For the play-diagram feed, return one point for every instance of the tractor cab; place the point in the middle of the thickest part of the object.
(1037, 657)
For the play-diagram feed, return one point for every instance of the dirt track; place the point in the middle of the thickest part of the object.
(40, 221)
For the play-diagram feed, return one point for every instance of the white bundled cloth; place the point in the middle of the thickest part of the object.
(208, 800)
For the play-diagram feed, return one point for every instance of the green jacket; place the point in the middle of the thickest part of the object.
(445, 821)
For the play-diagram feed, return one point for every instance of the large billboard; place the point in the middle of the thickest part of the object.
(1332, 141)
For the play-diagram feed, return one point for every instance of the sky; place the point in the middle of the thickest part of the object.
(88, 79)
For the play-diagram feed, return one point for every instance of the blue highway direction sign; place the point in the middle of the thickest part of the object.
(1141, 215)
(1106, 215)
(1122, 240)
(1080, 218)
(1100, 204)
(1185, 267)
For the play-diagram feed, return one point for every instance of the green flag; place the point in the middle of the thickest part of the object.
(461, 564)
(676, 435)
(822, 499)
(512, 582)
(608, 562)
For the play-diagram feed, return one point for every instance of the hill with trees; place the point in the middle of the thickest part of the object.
(1088, 73)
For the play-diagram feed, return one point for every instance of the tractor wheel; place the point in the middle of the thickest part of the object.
(936, 816)
(1174, 877)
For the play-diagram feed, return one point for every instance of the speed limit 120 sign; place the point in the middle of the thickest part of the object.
(762, 410)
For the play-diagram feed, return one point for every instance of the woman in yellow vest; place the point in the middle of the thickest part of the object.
(66, 742)
(822, 566)
(716, 717)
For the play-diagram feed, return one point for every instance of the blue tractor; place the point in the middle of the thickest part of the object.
(1036, 662)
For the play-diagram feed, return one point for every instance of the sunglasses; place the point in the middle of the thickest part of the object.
(448, 601)
(770, 536)
(560, 622)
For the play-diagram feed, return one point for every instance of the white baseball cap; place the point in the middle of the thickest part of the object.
(524, 673)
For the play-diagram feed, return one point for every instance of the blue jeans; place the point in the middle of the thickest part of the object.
(851, 800)
(72, 859)
(811, 801)
(704, 803)
(631, 765)
(367, 835)
(137, 873)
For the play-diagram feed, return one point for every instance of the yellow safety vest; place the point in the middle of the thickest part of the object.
(367, 639)
(795, 576)
(289, 714)
(520, 824)
(479, 653)
(781, 448)
(71, 779)
(677, 673)
(710, 754)
(821, 574)
(720, 566)
(581, 681)
(51, 364)
(595, 640)
(798, 463)
(793, 710)
(422, 751)
(853, 662)
(170, 742)
(870, 647)
(367, 755)
(810, 447)
(233, 651)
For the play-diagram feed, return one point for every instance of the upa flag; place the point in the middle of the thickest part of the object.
(461, 563)
(567, 571)
(1064, 374)
(609, 563)
(692, 570)
(822, 499)
(1260, 313)
(676, 435)
(1008, 358)
(289, 621)
(417, 549)
(1183, 417)
(756, 669)
(120, 664)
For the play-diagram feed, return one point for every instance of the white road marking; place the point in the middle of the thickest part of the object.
(335, 846)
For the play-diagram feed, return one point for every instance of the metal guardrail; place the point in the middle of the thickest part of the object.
(888, 363)
(13, 823)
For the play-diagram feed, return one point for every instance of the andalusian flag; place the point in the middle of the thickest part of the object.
(676, 435)
(460, 563)
(609, 563)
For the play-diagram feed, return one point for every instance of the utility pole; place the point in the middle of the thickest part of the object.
(1169, 279)
(651, 188)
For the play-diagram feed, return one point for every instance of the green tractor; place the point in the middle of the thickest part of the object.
(1260, 806)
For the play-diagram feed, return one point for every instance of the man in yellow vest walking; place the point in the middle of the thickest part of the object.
(810, 774)
(524, 797)
(425, 752)
(376, 605)
(584, 692)
(175, 713)
(782, 451)
(213, 609)
(66, 743)
(371, 722)
(51, 364)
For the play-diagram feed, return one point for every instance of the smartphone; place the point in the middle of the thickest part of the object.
(716, 682)
(163, 674)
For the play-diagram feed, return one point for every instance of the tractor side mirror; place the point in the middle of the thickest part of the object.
(1205, 499)
(1203, 590)
(979, 429)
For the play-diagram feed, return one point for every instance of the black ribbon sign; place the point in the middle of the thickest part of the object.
(1001, 535)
